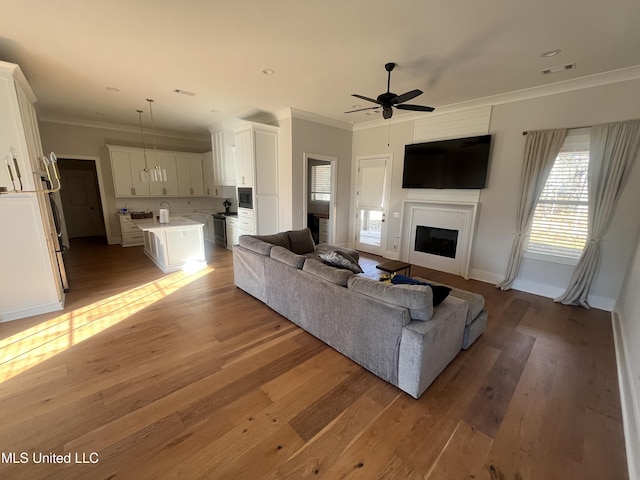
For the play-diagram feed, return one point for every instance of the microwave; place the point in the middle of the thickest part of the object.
(245, 197)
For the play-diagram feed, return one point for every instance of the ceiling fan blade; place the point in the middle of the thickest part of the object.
(362, 109)
(407, 96)
(415, 108)
(366, 98)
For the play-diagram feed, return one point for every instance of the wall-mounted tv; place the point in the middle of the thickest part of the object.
(457, 163)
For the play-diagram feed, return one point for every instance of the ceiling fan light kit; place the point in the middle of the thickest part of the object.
(388, 100)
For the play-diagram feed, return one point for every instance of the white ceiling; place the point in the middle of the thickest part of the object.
(322, 51)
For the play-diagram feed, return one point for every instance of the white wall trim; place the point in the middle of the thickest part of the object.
(334, 190)
(120, 128)
(628, 400)
(549, 291)
(32, 310)
(605, 78)
(312, 117)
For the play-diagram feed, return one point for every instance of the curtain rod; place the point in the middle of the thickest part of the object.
(568, 128)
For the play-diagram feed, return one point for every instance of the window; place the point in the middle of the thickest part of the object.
(559, 226)
(321, 183)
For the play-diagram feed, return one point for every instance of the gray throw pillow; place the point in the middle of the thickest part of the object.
(341, 260)
(301, 241)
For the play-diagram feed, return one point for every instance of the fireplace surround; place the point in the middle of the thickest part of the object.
(443, 217)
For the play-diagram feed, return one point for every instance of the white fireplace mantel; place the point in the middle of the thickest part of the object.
(442, 209)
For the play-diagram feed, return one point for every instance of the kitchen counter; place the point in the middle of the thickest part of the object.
(148, 224)
(177, 245)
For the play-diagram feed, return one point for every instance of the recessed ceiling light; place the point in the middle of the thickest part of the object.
(99, 114)
(215, 111)
(268, 71)
(113, 89)
(550, 53)
(356, 106)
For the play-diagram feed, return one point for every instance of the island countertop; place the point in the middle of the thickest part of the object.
(175, 223)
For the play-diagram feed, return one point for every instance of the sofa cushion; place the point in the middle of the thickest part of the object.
(440, 292)
(417, 298)
(254, 244)
(475, 300)
(330, 274)
(287, 257)
(326, 248)
(281, 239)
(340, 259)
(301, 241)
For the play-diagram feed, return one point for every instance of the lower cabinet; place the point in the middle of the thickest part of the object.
(131, 234)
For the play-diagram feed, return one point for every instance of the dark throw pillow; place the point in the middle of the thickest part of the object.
(343, 260)
(440, 292)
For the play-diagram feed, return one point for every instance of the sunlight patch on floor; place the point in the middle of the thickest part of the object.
(41, 342)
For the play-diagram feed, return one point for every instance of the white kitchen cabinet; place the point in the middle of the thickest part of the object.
(190, 175)
(244, 158)
(32, 283)
(213, 187)
(257, 166)
(224, 173)
(184, 172)
(131, 234)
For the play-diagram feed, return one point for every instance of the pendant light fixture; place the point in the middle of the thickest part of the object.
(156, 173)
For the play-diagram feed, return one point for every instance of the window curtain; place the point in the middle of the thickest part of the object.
(540, 152)
(613, 148)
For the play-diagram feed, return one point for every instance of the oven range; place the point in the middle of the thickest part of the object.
(220, 227)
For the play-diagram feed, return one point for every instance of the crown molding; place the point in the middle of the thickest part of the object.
(312, 117)
(120, 128)
(590, 81)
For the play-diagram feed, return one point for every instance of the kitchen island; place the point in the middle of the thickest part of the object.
(173, 246)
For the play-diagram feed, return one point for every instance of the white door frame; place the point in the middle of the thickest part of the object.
(386, 198)
(334, 190)
(103, 197)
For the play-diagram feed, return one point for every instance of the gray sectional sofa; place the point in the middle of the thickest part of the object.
(393, 331)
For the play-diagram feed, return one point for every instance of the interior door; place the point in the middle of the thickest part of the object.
(372, 194)
(81, 204)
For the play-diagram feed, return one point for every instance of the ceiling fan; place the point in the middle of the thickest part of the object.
(388, 99)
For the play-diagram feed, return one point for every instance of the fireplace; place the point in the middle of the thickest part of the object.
(436, 241)
(437, 233)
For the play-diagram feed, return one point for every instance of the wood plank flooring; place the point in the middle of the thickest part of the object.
(167, 376)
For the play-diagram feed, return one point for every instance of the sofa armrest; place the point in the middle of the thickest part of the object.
(427, 348)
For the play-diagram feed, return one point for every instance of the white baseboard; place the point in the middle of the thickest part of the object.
(549, 291)
(30, 311)
(484, 276)
(628, 399)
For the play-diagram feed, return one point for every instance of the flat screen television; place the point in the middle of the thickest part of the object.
(457, 163)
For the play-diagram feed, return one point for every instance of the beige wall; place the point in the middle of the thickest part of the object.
(313, 138)
(498, 201)
(90, 141)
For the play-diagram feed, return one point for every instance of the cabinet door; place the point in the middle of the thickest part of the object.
(156, 189)
(244, 158)
(208, 171)
(197, 176)
(137, 163)
(184, 175)
(168, 162)
(121, 171)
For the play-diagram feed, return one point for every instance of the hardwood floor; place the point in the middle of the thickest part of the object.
(156, 375)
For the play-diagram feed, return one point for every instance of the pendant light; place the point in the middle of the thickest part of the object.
(156, 173)
(144, 173)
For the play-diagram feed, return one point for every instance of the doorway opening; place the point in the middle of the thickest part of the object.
(82, 199)
(320, 197)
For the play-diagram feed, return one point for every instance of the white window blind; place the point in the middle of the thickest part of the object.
(560, 219)
(321, 183)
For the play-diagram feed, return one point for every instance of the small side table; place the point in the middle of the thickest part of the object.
(394, 266)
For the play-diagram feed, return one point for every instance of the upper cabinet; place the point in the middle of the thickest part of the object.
(184, 173)
(257, 167)
(245, 161)
(224, 173)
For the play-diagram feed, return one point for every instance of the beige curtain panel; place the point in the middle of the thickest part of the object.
(613, 149)
(540, 152)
